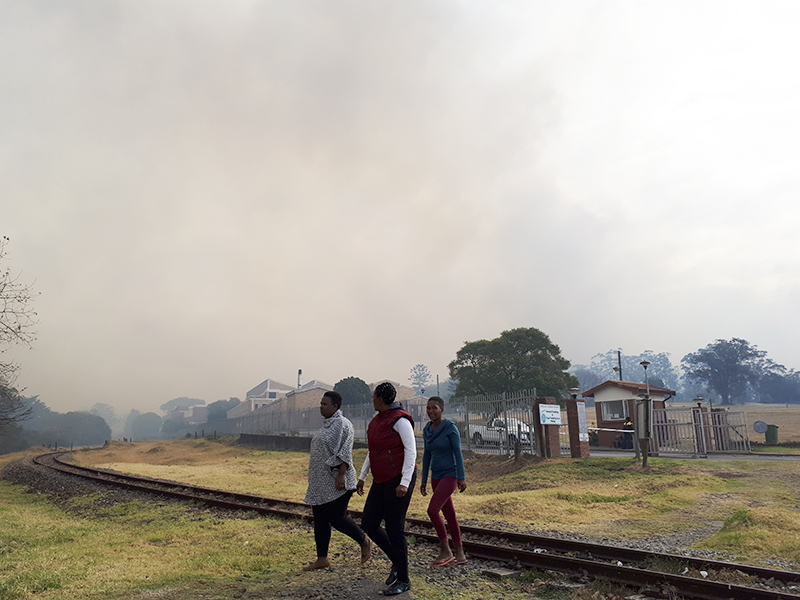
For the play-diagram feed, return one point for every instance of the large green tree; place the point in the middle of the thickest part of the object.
(728, 367)
(353, 391)
(520, 359)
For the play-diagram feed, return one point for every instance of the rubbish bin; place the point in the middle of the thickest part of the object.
(772, 434)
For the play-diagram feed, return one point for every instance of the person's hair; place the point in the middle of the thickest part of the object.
(336, 398)
(386, 392)
(438, 401)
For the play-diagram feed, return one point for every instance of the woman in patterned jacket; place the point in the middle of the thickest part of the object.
(332, 481)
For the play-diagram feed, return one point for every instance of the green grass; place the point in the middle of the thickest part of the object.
(99, 552)
(95, 552)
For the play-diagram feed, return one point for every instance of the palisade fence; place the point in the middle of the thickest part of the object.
(494, 423)
(699, 432)
(488, 424)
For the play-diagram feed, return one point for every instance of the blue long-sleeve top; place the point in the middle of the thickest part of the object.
(442, 454)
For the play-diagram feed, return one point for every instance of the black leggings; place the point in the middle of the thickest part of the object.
(334, 514)
(383, 505)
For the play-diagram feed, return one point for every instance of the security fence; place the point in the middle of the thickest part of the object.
(488, 424)
(495, 424)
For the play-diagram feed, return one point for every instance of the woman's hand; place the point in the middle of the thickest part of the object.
(339, 483)
(462, 485)
(423, 488)
(360, 487)
(401, 491)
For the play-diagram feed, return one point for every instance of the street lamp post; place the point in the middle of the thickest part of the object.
(645, 426)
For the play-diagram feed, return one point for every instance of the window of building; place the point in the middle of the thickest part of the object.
(273, 394)
(614, 410)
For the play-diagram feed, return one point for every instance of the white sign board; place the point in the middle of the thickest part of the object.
(550, 414)
(583, 429)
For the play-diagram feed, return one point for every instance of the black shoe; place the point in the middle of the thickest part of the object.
(392, 577)
(398, 587)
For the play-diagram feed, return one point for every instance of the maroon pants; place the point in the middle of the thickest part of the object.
(442, 501)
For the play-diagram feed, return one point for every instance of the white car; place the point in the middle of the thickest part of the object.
(496, 432)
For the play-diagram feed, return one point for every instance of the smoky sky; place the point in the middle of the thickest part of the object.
(208, 194)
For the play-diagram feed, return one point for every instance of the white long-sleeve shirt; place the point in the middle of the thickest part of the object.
(406, 431)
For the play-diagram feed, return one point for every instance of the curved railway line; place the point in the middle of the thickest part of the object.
(659, 575)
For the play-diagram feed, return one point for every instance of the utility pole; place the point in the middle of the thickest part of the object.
(645, 432)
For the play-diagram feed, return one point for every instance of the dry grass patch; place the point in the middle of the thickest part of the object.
(760, 533)
(787, 420)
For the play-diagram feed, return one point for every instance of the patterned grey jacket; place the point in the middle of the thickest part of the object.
(331, 446)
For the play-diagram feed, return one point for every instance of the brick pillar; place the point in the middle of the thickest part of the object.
(578, 433)
(548, 433)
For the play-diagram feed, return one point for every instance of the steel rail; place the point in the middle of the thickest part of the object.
(601, 561)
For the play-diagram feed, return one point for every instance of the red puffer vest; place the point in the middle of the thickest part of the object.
(385, 446)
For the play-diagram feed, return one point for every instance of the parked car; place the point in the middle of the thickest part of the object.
(496, 432)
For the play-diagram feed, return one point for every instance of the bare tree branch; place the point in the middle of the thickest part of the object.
(17, 319)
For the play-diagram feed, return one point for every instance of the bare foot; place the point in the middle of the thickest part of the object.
(459, 554)
(320, 563)
(366, 551)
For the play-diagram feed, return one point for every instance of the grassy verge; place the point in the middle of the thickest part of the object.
(91, 551)
(94, 552)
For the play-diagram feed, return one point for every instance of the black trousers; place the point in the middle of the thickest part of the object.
(383, 505)
(334, 514)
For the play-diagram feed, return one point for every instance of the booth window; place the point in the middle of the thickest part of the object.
(614, 410)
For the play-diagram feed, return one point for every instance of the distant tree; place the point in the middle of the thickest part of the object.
(13, 439)
(353, 391)
(129, 421)
(444, 389)
(218, 411)
(587, 379)
(78, 428)
(660, 367)
(170, 427)
(13, 409)
(146, 427)
(105, 412)
(182, 401)
(779, 385)
(420, 378)
(519, 359)
(729, 367)
(38, 415)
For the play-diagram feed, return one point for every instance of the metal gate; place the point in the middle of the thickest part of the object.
(699, 432)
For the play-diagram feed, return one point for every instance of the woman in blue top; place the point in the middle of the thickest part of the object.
(442, 456)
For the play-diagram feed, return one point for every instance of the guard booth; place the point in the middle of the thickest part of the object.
(614, 401)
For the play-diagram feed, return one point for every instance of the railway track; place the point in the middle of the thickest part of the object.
(661, 575)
